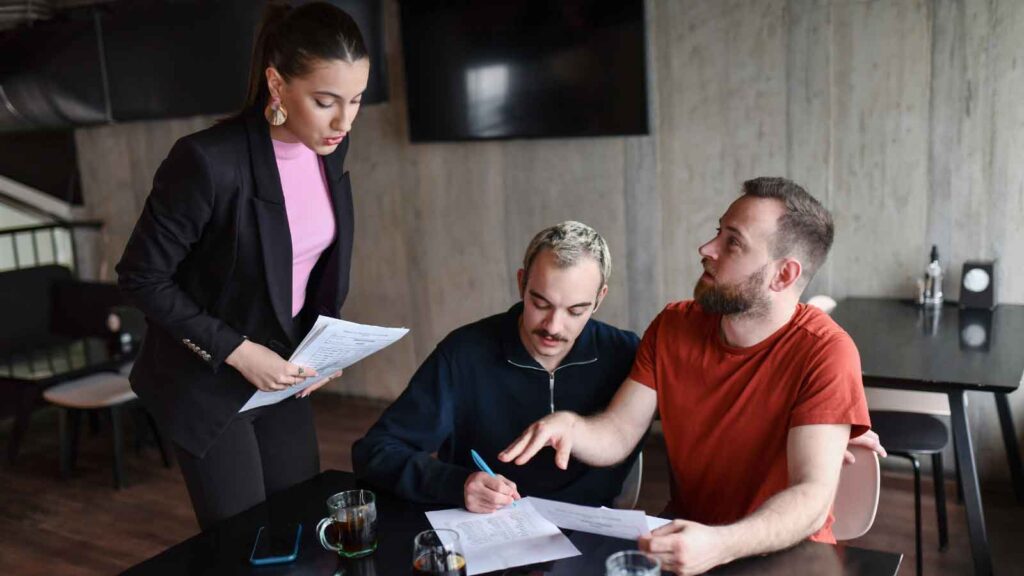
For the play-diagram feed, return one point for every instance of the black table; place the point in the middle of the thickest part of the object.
(905, 347)
(225, 549)
(25, 373)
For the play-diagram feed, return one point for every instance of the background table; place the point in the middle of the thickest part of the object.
(905, 347)
(225, 548)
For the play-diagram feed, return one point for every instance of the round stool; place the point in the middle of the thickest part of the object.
(104, 391)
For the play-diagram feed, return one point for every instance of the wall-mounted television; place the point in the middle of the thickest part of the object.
(496, 69)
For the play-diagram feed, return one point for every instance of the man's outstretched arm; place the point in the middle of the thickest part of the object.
(603, 439)
(815, 455)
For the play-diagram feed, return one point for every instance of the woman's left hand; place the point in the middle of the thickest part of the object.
(316, 386)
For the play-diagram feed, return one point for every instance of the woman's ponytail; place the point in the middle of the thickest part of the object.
(262, 50)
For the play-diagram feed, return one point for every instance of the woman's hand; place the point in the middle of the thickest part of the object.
(264, 369)
(316, 386)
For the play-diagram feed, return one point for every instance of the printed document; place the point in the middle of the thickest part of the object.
(653, 522)
(510, 537)
(330, 346)
(625, 524)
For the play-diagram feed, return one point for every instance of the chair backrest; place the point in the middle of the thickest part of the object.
(626, 500)
(907, 401)
(857, 495)
(81, 308)
(27, 297)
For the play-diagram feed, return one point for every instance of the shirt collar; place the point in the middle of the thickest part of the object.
(583, 350)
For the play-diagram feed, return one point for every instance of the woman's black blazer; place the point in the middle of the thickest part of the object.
(210, 262)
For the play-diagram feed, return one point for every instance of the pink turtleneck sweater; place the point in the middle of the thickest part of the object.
(307, 201)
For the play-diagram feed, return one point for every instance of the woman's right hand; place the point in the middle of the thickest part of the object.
(264, 369)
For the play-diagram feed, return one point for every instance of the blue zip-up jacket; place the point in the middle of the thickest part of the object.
(480, 389)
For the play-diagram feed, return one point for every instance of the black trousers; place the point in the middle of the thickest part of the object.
(261, 452)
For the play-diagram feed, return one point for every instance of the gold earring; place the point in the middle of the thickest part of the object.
(275, 112)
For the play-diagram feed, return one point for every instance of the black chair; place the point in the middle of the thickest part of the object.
(45, 310)
(909, 435)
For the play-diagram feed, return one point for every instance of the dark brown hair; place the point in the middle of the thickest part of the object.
(805, 229)
(293, 39)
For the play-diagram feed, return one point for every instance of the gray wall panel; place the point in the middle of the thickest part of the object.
(904, 117)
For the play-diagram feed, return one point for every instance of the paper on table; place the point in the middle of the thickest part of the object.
(626, 524)
(507, 538)
(330, 346)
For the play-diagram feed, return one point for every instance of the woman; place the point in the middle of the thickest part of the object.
(245, 238)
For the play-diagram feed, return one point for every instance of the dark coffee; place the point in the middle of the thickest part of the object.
(355, 535)
(434, 565)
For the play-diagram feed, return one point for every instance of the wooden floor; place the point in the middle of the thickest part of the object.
(81, 526)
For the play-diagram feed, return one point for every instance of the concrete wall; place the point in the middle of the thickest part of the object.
(903, 116)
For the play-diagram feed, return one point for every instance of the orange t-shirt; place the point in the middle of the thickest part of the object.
(726, 411)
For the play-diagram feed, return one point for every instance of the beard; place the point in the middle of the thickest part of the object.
(744, 298)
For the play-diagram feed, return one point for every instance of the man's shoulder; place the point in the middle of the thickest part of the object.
(613, 338)
(811, 322)
(484, 333)
(817, 338)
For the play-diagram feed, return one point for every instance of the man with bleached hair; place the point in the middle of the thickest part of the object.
(488, 380)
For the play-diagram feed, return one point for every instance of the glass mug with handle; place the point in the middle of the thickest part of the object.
(438, 553)
(352, 519)
(632, 563)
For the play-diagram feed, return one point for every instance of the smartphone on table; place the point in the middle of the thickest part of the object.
(276, 544)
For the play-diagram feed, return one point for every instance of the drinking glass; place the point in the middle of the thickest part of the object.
(438, 553)
(631, 563)
(352, 517)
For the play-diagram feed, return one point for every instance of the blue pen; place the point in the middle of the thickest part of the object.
(484, 467)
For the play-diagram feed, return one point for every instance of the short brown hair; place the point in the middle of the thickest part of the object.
(805, 229)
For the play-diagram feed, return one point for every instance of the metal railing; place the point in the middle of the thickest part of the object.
(40, 245)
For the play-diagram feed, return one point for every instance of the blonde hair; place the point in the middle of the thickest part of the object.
(570, 241)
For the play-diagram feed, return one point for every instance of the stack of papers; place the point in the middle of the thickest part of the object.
(529, 532)
(512, 536)
(331, 345)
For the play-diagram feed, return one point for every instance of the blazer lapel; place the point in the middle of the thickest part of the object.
(341, 200)
(272, 219)
(334, 168)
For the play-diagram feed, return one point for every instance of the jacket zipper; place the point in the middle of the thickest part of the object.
(551, 378)
(551, 390)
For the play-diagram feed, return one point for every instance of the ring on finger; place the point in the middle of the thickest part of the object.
(301, 370)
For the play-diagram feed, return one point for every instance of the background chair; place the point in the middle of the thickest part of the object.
(909, 434)
(856, 500)
(108, 391)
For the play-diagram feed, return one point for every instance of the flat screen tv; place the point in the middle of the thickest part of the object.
(494, 69)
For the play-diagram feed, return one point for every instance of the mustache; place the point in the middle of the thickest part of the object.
(707, 268)
(546, 334)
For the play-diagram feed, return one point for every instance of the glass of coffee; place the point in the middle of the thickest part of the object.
(631, 563)
(352, 521)
(438, 553)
